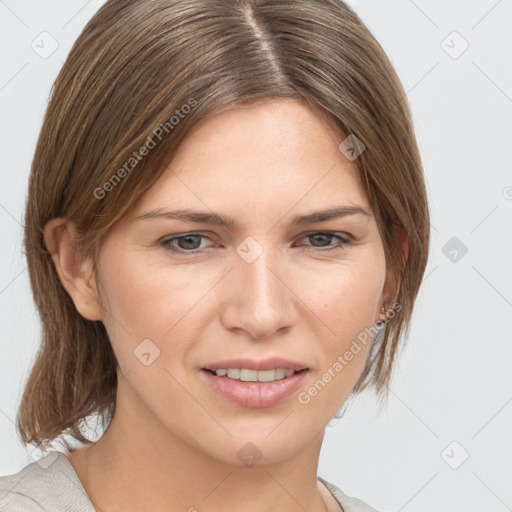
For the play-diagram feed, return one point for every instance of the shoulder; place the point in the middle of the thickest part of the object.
(48, 484)
(348, 503)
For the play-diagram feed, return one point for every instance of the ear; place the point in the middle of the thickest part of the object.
(392, 284)
(74, 271)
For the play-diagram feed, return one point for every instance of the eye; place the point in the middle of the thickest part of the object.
(191, 243)
(186, 243)
(323, 239)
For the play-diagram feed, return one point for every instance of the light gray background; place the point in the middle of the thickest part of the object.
(453, 382)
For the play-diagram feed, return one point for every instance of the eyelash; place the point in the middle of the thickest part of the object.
(342, 244)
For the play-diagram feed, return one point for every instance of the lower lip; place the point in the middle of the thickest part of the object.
(255, 394)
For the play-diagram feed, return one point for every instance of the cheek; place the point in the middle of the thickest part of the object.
(145, 299)
(346, 297)
(344, 301)
(153, 302)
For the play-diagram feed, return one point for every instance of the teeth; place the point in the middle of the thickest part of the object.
(281, 374)
(246, 375)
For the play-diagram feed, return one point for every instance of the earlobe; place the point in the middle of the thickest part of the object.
(74, 271)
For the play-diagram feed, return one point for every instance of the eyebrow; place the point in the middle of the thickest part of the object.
(216, 219)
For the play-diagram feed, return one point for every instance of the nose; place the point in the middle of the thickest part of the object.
(258, 296)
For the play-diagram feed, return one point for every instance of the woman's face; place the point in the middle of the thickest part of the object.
(265, 286)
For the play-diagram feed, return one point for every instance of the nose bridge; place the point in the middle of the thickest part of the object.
(259, 301)
(260, 275)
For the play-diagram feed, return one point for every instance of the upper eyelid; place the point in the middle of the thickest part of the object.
(302, 235)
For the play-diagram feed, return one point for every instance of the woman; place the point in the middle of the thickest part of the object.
(226, 231)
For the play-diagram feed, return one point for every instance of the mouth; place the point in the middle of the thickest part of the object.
(256, 383)
(247, 387)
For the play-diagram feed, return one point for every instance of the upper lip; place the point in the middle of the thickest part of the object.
(255, 364)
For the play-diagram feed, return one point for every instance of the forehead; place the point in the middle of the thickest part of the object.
(275, 151)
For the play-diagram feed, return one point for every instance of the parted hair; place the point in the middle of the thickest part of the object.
(143, 73)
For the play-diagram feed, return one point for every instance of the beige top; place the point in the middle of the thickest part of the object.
(51, 485)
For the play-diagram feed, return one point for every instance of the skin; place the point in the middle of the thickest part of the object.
(173, 442)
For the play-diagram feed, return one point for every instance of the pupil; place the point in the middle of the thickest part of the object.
(325, 235)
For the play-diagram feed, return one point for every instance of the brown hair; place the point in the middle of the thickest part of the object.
(144, 73)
